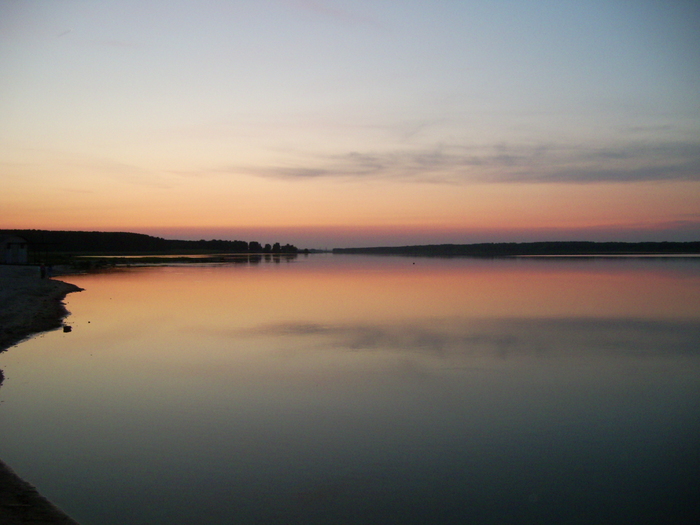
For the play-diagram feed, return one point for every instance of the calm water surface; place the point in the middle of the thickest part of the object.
(351, 389)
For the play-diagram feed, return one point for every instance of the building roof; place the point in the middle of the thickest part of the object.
(11, 239)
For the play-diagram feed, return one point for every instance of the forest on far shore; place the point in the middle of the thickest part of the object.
(123, 243)
(513, 249)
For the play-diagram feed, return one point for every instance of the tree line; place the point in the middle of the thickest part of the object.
(124, 243)
(512, 249)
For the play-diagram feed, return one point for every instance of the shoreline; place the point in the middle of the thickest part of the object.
(28, 305)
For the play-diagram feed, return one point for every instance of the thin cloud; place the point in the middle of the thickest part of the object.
(599, 174)
(632, 163)
(647, 129)
(501, 164)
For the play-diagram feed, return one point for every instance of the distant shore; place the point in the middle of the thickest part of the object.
(28, 305)
(533, 249)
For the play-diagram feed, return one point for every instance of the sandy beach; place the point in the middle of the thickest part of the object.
(28, 305)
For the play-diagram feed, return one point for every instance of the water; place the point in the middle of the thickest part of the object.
(351, 389)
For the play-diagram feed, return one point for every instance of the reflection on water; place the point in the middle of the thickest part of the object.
(349, 389)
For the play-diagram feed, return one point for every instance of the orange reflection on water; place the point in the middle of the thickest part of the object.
(326, 290)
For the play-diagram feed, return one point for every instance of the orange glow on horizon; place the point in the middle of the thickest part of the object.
(350, 210)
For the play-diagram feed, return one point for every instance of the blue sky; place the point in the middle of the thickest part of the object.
(366, 122)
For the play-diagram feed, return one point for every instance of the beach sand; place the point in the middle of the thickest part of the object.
(28, 305)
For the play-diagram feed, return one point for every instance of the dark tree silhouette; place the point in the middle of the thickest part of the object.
(532, 248)
(123, 243)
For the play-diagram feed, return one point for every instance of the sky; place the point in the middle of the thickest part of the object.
(331, 123)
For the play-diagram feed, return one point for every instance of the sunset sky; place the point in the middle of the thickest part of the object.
(330, 123)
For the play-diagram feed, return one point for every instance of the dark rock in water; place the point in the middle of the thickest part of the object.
(67, 328)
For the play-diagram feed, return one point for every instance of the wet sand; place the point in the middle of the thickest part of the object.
(28, 305)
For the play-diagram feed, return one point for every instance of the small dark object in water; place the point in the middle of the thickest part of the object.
(67, 328)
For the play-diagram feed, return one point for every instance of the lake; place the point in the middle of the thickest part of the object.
(358, 389)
